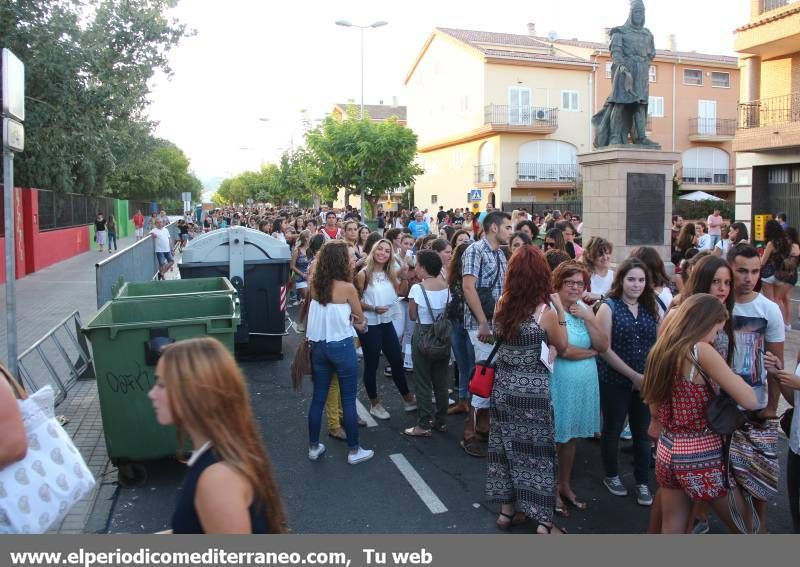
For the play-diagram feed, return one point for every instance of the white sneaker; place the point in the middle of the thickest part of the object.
(379, 411)
(788, 327)
(360, 456)
(315, 453)
(410, 406)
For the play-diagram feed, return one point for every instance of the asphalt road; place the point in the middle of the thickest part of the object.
(330, 496)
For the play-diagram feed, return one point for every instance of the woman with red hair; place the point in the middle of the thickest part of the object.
(521, 472)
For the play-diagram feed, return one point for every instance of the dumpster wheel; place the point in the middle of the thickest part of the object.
(131, 475)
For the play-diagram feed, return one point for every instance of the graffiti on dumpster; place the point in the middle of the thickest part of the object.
(138, 381)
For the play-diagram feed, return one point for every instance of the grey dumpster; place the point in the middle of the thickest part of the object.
(257, 266)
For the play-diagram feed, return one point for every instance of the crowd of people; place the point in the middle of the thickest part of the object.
(580, 351)
(580, 348)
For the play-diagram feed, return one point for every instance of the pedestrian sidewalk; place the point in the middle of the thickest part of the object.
(44, 299)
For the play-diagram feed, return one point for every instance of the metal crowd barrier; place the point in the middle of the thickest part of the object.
(62, 352)
(136, 263)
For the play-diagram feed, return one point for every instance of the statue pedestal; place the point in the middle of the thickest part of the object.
(627, 198)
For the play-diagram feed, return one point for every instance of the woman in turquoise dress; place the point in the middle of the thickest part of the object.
(574, 385)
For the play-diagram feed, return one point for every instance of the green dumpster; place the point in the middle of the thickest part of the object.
(125, 336)
(159, 288)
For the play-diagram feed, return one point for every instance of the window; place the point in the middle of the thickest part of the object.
(693, 77)
(569, 101)
(608, 70)
(655, 107)
(434, 199)
(721, 80)
(652, 73)
(547, 160)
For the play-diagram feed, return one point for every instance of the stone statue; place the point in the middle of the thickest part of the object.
(625, 111)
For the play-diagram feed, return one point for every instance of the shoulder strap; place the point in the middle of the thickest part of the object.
(542, 309)
(427, 301)
(660, 302)
(696, 366)
(497, 267)
(19, 392)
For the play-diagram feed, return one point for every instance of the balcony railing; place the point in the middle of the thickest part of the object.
(534, 116)
(774, 111)
(531, 172)
(712, 126)
(769, 5)
(707, 176)
(484, 173)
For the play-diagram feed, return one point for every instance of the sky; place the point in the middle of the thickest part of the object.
(241, 84)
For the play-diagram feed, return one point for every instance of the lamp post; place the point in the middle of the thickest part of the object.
(347, 24)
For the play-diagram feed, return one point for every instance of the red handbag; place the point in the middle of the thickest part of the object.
(482, 379)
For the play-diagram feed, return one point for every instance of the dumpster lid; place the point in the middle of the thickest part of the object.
(215, 246)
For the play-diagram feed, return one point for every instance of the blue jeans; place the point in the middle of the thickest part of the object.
(714, 239)
(327, 358)
(465, 358)
(382, 337)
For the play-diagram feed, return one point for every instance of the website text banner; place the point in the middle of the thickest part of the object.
(391, 551)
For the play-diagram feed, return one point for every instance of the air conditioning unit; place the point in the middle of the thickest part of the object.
(541, 115)
(490, 177)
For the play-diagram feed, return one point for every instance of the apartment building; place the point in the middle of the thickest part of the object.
(767, 141)
(692, 110)
(508, 113)
(503, 113)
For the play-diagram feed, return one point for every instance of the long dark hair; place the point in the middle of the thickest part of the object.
(648, 297)
(773, 232)
(454, 275)
(652, 259)
(333, 263)
(527, 286)
(685, 238)
(700, 280)
(741, 233)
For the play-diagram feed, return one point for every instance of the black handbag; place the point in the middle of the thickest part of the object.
(722, 413)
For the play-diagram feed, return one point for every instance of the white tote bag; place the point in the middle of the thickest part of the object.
(38, 491)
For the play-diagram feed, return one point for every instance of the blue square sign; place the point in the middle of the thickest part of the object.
(475, 195)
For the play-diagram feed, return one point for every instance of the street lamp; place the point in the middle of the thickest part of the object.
(348, 24)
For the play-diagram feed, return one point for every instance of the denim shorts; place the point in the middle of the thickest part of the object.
(164, 258)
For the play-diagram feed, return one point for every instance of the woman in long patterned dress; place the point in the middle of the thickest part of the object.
(522, 467)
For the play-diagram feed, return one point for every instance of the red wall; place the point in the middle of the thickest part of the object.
(37, 250)
(18, 239)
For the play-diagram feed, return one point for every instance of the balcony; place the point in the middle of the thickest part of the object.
(526, 119)
(772, 34)
(558, 175)
(712, 129)
(706, 176)
(484, 175)
(769, 124)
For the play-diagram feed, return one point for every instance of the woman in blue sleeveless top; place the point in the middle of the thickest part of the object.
(229, 486)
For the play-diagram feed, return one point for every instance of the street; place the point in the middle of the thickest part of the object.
(330, 496)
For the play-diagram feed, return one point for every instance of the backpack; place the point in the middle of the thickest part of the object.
(433, 340)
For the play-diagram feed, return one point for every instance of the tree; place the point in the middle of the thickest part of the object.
(88, 63)
(362, 156)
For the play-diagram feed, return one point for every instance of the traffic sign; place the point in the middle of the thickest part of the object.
(475, 195)
(13, 86)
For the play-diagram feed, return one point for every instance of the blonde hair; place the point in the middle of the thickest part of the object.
(693, 320)
(370, 268)
(208, 394)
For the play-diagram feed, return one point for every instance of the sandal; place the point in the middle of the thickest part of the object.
(561, 509)
(506, 521)
(548, 529)
(473, 448)
(417, 431)
(574, 502)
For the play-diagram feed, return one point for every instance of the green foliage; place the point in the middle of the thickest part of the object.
(699, 210)
(295, 178)
(87, 67)
(361, 155)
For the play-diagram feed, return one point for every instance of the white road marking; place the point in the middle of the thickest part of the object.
(364, 414)
(421, 487)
